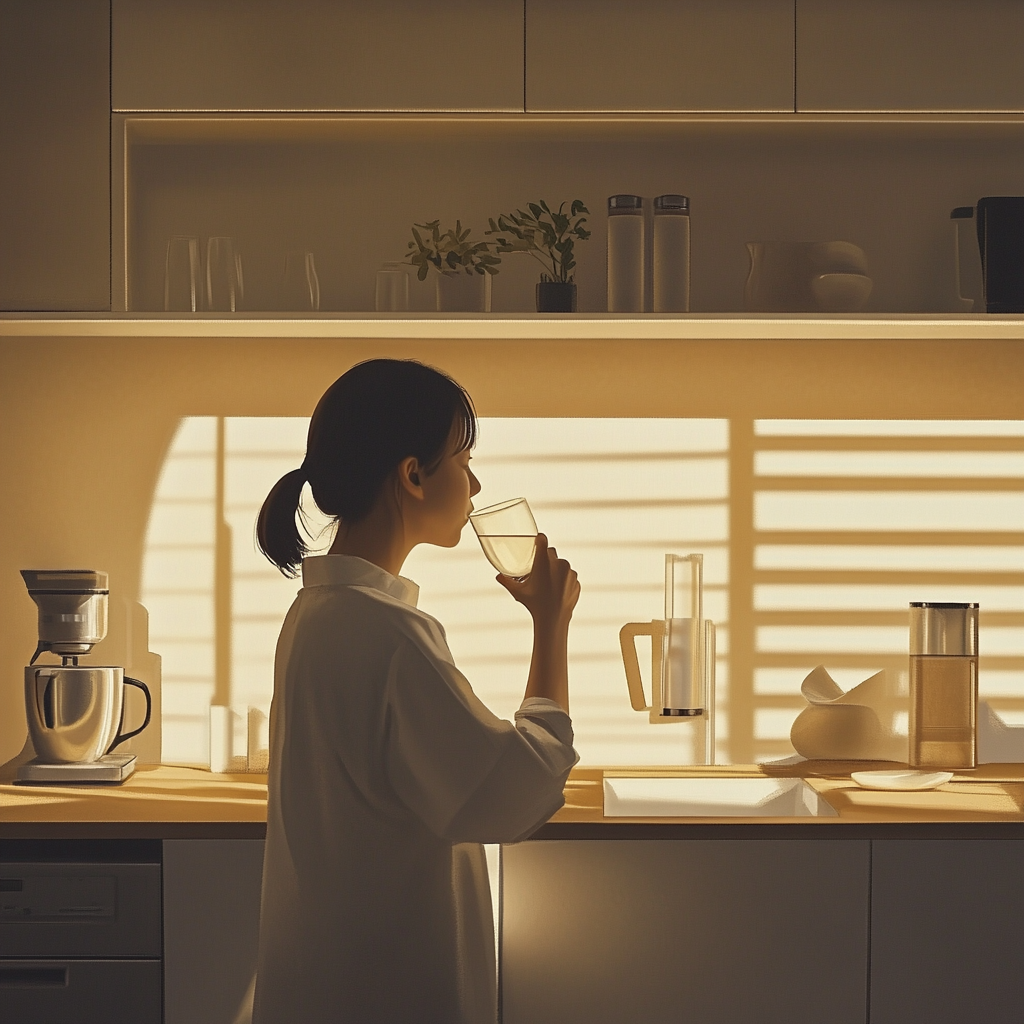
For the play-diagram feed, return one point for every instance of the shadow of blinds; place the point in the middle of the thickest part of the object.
(614, 495)
(853, 520)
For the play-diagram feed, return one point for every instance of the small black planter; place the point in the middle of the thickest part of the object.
(556, 297)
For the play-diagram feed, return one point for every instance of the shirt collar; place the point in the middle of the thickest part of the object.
(351, 571)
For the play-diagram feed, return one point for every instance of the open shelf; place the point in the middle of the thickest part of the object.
(348, 188)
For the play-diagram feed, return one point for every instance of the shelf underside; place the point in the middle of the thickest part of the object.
(469, 326)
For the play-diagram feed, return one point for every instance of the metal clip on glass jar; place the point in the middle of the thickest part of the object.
(943, 685)
(671, 254)
(625, 254)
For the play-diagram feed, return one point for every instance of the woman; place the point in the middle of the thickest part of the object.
(384, 765)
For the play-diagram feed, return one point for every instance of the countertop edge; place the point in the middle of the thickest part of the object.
(832, 829)
(133, 830)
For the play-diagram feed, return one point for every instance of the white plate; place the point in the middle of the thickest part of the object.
(905, 779)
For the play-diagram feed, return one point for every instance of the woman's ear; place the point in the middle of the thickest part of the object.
(409, 472)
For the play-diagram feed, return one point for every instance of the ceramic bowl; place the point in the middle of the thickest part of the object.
(841, 293)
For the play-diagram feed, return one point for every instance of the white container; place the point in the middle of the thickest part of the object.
(625, 254)
(671, 254)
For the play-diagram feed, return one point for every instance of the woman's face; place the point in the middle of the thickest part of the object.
(448, 494)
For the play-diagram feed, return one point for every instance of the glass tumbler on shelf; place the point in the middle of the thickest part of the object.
(301, 285)
(671, 254)
(625, 254)
(391, 294)
(508, 535)
(182, 275)
(224, 285)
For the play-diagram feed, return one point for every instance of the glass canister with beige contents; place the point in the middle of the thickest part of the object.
(943, 685)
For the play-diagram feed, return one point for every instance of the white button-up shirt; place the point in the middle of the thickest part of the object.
(382, 761)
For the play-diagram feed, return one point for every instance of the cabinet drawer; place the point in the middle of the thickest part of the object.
(317, 55)
(659, 55)
(906, 55)
(81, 991)
(85, 909)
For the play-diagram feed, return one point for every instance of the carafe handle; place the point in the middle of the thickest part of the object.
(121, 737)
(631, 663)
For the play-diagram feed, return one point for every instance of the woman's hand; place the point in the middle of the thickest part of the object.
(551, 590)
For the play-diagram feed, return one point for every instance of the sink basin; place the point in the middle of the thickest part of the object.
(712, 797)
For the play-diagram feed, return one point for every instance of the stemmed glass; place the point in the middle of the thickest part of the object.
(508, 535)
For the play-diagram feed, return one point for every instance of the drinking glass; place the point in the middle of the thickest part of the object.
(301, 285)
(508, 534)
(182, 275)
(224, 286)
(392, 289)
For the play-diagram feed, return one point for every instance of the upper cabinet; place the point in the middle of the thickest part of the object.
(683, 55)
(54, 155)
(914, 55)
(414, 55)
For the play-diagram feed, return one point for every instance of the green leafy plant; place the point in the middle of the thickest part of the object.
(549, 236)
(449, 252)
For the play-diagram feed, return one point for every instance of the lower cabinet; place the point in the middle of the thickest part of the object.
(211, 928)
(767, 931)
(80, 939)
(710, 930)
(947, 931)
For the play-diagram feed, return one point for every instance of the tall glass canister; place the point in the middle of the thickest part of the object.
(625, 254)
(671, 254)
(943, 685)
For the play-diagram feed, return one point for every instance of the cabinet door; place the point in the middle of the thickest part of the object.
(893, 55)
(947, 931)
(211, 928)
(54, 155)
(717, 931)
(659, 55)
(318, 55)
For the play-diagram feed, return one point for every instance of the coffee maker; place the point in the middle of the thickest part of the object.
(75, 712)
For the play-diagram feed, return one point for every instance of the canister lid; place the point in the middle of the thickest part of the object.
(65, 581)
(625, 204)
(944, 628)
(672, 203)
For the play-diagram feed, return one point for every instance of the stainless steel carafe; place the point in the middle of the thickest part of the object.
(75, 714)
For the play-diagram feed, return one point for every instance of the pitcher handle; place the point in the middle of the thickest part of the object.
(121, 737)
(627, 641)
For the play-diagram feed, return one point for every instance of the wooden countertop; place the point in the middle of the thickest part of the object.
(157, 802)
(166, 802)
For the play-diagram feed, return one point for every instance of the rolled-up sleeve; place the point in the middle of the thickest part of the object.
(467, 774)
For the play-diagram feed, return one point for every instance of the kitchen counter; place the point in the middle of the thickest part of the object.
(167, 802)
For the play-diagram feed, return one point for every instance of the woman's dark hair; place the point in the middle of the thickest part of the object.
(370, 419)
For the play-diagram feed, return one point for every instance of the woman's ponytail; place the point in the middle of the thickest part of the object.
(277, 528)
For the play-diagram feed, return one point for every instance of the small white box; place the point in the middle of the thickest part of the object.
(229, 739)
(258, 744)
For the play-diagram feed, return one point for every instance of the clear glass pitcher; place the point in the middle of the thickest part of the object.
(682, 654)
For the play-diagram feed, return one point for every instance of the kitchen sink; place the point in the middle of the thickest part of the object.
(711, 797)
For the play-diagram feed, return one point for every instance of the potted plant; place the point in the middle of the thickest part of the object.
(463, 268)
(550, 237)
